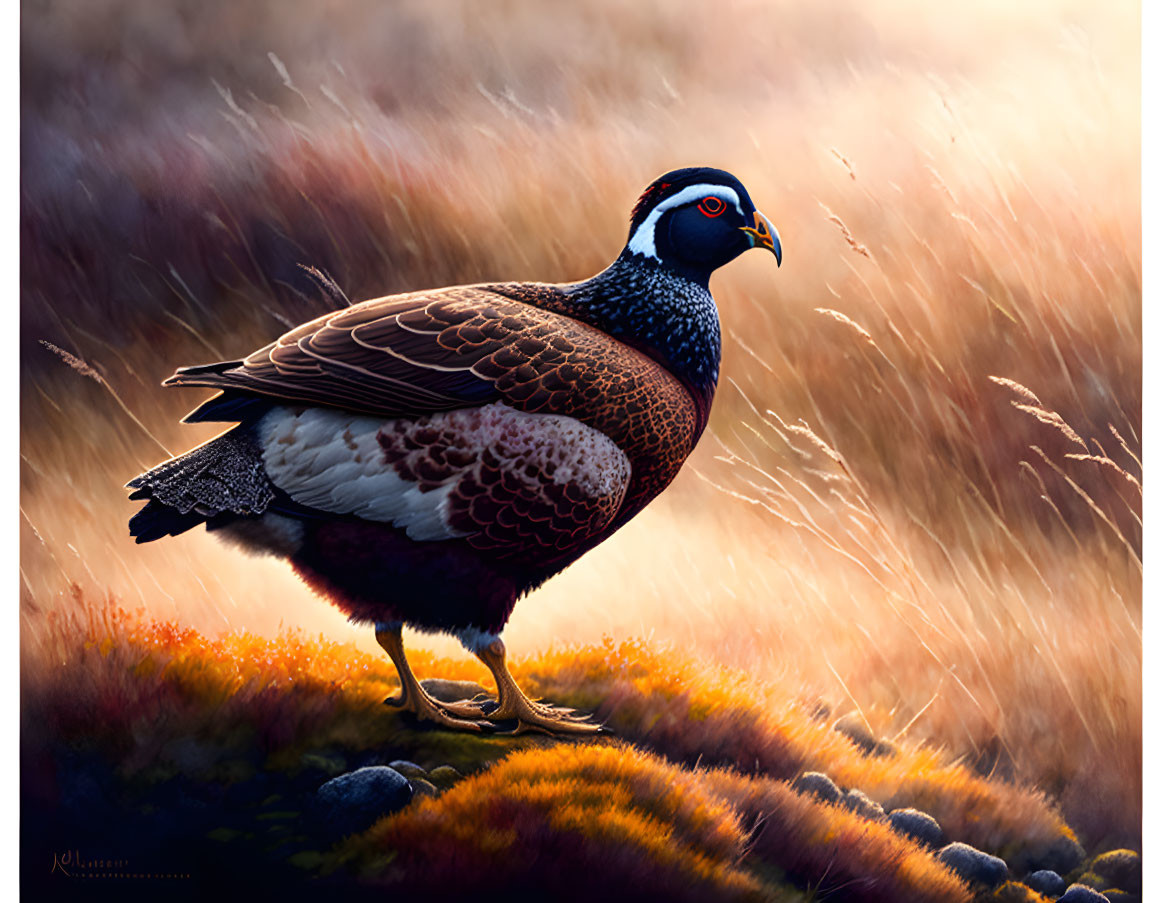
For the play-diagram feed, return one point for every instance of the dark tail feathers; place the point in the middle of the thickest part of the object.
(190, 375)
(223, 477)
(156, 520)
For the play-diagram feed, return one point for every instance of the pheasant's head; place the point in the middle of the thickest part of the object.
(696, 220)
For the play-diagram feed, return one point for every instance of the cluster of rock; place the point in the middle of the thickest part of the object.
(1113, 876)
(354, 801)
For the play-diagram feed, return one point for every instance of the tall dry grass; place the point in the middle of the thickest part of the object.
(919, 497)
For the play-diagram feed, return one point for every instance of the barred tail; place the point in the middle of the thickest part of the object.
(224, 476)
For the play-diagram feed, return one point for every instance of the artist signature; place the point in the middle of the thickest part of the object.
(72, 864)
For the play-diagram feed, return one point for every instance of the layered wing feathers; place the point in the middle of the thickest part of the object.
(407, 355)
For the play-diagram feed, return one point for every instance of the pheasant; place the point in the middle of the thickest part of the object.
(429, 458)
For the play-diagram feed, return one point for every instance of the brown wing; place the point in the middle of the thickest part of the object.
(370, 357)
(415, 354)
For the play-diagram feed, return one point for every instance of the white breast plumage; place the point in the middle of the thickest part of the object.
(334, 461)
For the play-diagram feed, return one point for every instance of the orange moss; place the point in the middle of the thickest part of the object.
(660, 822)
(603, 816)
(651, 696)
(286, 690)
(1014, 892)
(133, 685)
(139, 689)
(832, 846)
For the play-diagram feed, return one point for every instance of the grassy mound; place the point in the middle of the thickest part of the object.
(612, 819)
(201, 754)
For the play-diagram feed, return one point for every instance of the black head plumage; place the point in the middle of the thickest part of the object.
(697, 219)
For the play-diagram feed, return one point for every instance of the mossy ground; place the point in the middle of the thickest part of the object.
(174, 754)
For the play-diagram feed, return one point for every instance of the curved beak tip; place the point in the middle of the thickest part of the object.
(763, 235)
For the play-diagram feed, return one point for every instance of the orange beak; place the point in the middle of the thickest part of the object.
(763, 235)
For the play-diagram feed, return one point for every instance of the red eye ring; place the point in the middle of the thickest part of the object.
(712, 206)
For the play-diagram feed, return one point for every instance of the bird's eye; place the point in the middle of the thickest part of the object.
(712, 206)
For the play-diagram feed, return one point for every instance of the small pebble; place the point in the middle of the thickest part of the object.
(1082, 893)
(817, 784)
(354, 801)
(452, 690)
(855, 729)
(1046, 882)
(424, 788)
(444, 776)
(974, 865)
(407, 769)
(918, 826)
(1121, 869)
(1062, 854)
(861, 804)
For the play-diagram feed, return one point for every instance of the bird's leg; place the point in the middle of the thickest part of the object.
(513, 704)
(413, 698)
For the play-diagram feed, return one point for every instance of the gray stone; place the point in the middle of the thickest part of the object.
(855, 729)
(407, 769)
(918, 826)
(1046, 882)
(1082, 893)
(861, 804)
(354, 801)
(1061, 854)
(974, 866)
(817, 784)
(424, 788)
(1120, 868)
(452, 690)
(444, 776)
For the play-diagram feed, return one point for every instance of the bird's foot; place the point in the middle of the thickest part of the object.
(466, 716)
(530, 716)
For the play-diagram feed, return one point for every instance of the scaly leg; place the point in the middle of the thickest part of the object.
(513, 704)
(413, 698)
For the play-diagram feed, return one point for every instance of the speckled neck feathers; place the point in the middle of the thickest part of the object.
(650, 307)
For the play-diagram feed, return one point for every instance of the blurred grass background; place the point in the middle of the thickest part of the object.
(869, 520)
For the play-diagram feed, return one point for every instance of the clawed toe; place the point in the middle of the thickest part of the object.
(546, 719)
(449, 715)
(459, 724)
(466, 715)
(469, 709)
(552, 728)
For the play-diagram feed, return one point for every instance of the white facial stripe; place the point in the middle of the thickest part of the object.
(642, 241)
